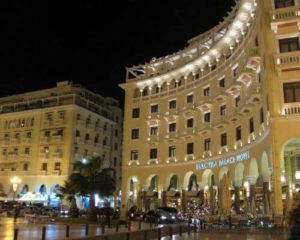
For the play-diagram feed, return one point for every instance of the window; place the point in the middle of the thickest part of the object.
(44, 166)
(251, 125)
(207, 117)
(4, 152)
(134, 155)
(28, 135)
(223, 110)
(57, 166)
(206, 92)
(284, 3)
(262, 118)
(177, 84)
(61, 115)
(78, 116)
(47, 134)
(96, 139)
(289, 44)
(190, 123)
(190, 148)
(49, 116)
(172, 127)
(172, 104)
(153, 153)
(115, 146)
(234, 71)
(207, 144)
(77, 134)
(116, 133)
(223, 139)
(135, 113)
(154, 108)
(87, 137)
(135, 133)
(46, 150)
(190, 98)
(222, 83)
(237, 100)
(115, 162)
(27, 150)
(153, 131)
(172, 151)
(238, 133)
(291, 92)
(25, 167)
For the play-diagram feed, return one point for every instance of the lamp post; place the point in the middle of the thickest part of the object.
(15, 181)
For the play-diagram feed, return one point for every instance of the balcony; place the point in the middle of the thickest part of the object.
(189, 131)
(56, 172)
(285, 16)
(171, 160)
(287, 60)
(152, 161)
(153, 116)
(189, 157)
(26, 140)
(291, 109)
(59, 121)
(24, 156)
(4, 141)
(45, 140)
(57, 154)
(43, 172)
(44, 154)
(171, 135)
(57, 138)
(15, 140)
(48, 123)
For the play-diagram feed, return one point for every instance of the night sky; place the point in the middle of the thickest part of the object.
(91, 42)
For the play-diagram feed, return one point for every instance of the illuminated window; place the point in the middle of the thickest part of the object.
(207, 117)
(172, 127)
(190, 98)
(134, 155)
(153, 131)
(207, 144)
(206, 92)
(251, 125)
(223, 110)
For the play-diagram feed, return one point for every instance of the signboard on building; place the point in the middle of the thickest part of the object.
(223, 162)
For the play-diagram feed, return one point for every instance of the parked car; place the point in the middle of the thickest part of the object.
(162, 215)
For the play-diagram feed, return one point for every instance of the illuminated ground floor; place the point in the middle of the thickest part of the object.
(261, 178)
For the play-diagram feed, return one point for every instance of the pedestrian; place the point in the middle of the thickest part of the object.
(294, 223)
(16, 212)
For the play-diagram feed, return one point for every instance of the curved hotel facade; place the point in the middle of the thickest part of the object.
(217, 123)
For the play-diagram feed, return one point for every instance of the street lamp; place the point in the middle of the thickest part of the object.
(15, 181)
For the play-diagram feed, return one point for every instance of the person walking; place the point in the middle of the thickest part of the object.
(16, 212)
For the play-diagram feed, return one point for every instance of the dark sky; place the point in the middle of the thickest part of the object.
(91, 42)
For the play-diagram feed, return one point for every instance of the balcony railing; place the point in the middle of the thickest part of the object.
(284, 14)
(287, 60)
(291, 109)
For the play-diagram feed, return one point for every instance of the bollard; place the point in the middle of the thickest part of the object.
(145, 235)
(171, 232)
(189, 229)
(140, 224)
(128, 236)
(86, 229)
(159, 233)
(67, 231)
(180, 230)
(16, 231)
(117, 227)
(129, 225)
(44, 233)
(103, 228)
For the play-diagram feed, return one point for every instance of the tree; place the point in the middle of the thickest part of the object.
(92, 179)
(70, 189)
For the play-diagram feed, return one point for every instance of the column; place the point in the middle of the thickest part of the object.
(163, 198)
(211, 200)
(183, 200)
(252, 198)
(289, 191)
(201, 196)
(237, 200)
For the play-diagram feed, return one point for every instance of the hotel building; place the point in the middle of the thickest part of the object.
(217, 123)
(43, 133)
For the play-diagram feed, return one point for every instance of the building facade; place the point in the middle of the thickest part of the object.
(217, 123)
(43, 133)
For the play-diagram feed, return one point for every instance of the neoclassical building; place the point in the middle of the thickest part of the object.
(217, 123)
(43, 133)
